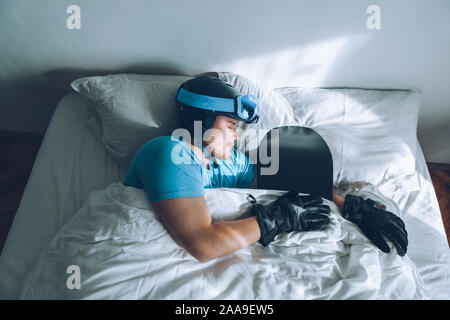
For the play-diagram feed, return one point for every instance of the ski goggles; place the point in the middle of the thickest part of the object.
(243, 107)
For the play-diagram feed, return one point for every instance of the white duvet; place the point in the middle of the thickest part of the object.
(123, 252)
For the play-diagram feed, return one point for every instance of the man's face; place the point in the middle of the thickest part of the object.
(221, 136)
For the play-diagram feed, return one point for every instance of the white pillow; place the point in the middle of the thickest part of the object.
(371, 133)
(274, 110)
(131, 109)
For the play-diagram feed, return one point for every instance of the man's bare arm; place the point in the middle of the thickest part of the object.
(189, 222)
(339, 201)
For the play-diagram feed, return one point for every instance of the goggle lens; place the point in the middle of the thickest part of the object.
(247, 108)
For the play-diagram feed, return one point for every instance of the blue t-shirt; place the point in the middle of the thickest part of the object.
(168, 168)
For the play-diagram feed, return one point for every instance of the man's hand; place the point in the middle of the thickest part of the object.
(376, 223)
(288, 213)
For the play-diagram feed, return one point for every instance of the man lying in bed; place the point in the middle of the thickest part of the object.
(174, 172)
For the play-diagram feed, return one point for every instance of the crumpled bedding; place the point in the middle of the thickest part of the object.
(124, 252)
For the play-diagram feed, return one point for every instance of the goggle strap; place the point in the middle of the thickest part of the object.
(205, 102)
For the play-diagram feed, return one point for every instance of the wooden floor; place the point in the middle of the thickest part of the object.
(440, 175)
(18, 152)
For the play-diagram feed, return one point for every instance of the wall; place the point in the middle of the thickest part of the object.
(280, 43)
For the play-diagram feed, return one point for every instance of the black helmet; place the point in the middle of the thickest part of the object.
(205, 97)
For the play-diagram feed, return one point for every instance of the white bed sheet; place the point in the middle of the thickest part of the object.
(71, 163)
(124, 252)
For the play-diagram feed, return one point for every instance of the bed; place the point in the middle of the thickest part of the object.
(73, 171)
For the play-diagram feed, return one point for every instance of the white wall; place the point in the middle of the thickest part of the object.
(282, 43)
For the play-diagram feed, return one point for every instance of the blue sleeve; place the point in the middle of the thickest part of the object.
(164, 178)
(247, 171)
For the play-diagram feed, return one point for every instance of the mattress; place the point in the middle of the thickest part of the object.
(71, 163)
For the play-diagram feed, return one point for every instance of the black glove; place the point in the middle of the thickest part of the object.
(288, 213)
(376, 223)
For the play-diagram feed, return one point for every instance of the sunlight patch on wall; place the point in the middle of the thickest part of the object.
(306, 65)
